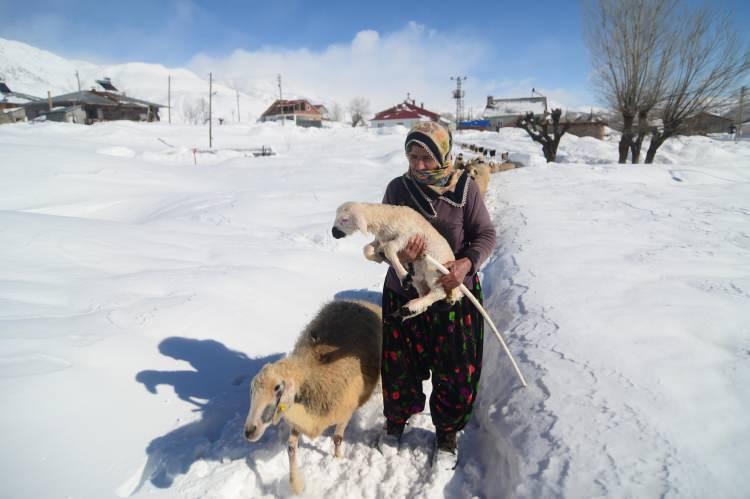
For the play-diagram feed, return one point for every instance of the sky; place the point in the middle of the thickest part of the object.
(378, 49)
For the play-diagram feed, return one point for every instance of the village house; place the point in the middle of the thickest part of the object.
(91, 106)
(299, 111)
(704, 123)
(505, 112)
(324, 114)
(11, 104)
(586, 124)
(406, 114)
(740, 117)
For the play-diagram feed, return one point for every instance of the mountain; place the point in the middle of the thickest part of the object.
(33, 71)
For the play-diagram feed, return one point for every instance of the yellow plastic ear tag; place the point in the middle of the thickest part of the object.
(279, 410)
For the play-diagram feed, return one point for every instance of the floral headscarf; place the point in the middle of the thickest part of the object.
(437, 140)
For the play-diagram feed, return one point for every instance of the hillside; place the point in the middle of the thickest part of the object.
(33, 71)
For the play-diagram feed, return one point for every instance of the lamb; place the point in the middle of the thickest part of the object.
(331, 372)
(393, 227)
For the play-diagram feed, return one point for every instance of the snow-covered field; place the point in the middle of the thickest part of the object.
(140, 292)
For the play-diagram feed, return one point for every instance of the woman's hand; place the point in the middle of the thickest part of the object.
(458, 270)
(413, 250)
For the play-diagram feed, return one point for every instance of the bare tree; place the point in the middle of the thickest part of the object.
(195, 112)
(631, 53)
(337, 114)
(359, 107)
(538, 129)
(448, 116)
(709, 61)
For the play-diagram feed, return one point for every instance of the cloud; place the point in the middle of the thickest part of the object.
(380, 67)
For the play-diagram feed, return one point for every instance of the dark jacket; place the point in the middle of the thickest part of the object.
(459, 216)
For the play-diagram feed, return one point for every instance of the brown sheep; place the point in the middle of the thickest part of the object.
(331, 372)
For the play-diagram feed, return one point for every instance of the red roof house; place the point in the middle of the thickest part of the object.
(299, 110)
(407, 114)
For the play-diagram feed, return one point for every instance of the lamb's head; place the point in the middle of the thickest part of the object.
(271, 393)
(350, 218)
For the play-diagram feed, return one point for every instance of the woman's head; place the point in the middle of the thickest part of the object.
(428, 149)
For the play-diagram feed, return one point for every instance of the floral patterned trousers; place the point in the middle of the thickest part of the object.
(445, 341)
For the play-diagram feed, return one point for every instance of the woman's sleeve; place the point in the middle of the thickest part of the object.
(479, 231)
(388, 197)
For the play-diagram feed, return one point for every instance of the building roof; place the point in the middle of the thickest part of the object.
(407, 110)
(514, 106)
(706, 114)
(11, 97)
(272, 109)
(96, 98)
(583, 117)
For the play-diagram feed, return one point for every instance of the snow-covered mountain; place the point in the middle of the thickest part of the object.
(34, 71)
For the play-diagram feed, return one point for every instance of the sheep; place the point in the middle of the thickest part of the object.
(459, 164)
(393, 227)
(480, 172)
(331, 372)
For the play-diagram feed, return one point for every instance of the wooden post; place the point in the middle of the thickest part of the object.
(738, 128)
(210, 98)
(281, 101)
(49, 99)
(169, 97)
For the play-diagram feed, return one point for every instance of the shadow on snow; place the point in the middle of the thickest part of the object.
(218, 387)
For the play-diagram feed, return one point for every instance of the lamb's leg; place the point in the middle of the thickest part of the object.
(295, 479)
(391, 253)
(338, 437)
(419, 305)
(372, 252)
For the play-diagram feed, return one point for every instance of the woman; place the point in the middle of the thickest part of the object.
(445, 341)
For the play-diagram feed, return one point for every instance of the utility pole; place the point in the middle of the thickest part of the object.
(534, 91)
(738, 130)
(210, 98)
(169, 97)
(238, 105)
(281, 101)
(458, 94)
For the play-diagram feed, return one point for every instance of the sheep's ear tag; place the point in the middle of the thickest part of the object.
(279, 412)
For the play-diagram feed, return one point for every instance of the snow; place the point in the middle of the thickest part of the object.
(140, 292)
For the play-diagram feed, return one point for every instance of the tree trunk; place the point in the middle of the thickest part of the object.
(635, 148)
(627, 138)
(549, 154)
(657, 139)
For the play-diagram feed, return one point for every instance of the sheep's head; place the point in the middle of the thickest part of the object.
(271, 393)
(349, 219)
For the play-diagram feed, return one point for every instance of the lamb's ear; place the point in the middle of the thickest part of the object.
(290, 389)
